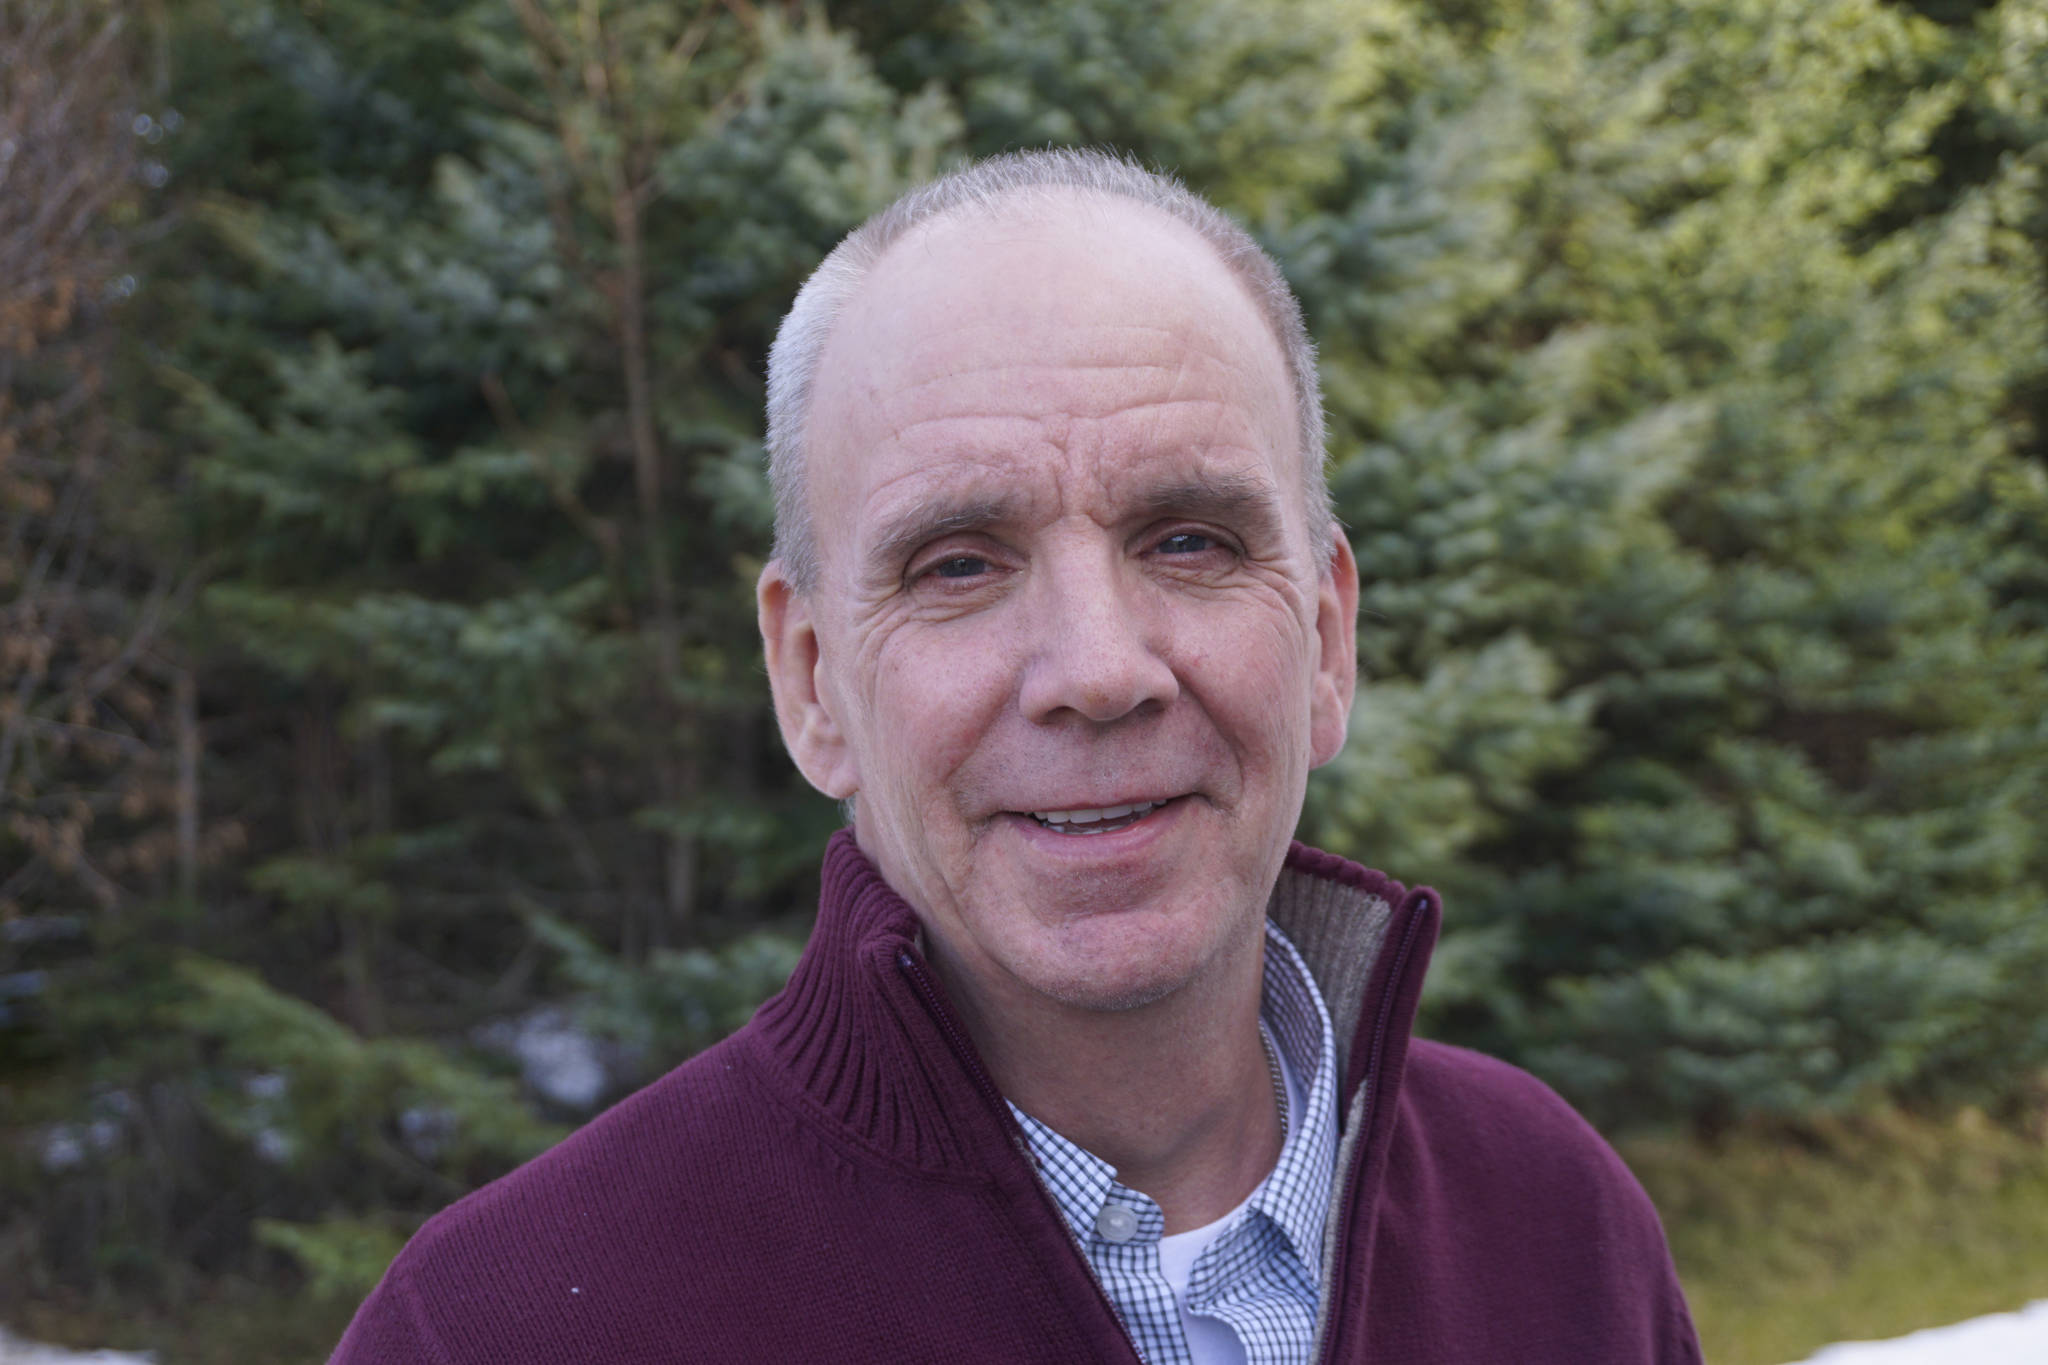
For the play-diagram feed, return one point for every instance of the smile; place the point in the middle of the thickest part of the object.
(1100, 821)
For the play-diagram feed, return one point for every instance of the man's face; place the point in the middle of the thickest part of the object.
(1071, 648)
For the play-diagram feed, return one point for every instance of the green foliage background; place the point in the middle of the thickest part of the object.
(1686, 366)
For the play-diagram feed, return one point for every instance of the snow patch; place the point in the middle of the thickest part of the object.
(2017, 1338)
(557, 1060)
(16, 1351)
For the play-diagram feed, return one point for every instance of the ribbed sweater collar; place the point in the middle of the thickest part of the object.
(867, 1042)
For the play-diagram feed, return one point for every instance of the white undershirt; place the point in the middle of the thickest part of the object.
(1210, 1341)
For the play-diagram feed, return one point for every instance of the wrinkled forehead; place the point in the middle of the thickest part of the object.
(1063, 306)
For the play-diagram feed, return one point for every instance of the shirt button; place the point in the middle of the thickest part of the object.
(1116, 1223)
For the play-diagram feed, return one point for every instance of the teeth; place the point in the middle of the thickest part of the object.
(1091, 817)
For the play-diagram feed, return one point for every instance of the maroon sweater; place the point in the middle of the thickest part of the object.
(840, 1180)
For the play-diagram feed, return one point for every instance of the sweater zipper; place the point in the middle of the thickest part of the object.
(1325, 1345)
(963, 1050)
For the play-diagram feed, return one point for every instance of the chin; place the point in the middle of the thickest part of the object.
(1106, 994)
(1139, 966)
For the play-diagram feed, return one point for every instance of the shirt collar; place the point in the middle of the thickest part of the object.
(1295, 1195)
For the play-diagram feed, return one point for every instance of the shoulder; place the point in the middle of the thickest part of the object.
(644, 1158)
(1492, 1098)
(1494, 1184)
(536, 1243)
(1488, 1118)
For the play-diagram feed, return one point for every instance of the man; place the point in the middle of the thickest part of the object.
(1084, 1062)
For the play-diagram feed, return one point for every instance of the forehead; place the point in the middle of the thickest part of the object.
(1073, 339)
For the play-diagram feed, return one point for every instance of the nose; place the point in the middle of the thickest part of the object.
(1095, 650)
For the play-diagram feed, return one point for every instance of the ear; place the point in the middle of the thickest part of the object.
(1337, 666)
(803, 709)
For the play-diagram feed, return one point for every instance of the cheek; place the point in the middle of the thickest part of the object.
(933, 698)
(1257, 682)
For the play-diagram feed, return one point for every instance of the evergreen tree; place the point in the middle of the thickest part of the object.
(1681, 449)
(458, 348)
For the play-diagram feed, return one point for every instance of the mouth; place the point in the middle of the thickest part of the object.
(1101, 820)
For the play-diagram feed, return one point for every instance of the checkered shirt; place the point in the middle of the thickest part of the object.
(1260, 1277)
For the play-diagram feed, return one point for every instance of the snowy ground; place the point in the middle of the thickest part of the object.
(2019, 1338)
(15, 1351)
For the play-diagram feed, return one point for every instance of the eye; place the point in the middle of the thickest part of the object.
(960, 566)
(1185, 543)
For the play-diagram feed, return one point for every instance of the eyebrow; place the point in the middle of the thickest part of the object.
(1249, 504)
(1244, 502)
(902, 534)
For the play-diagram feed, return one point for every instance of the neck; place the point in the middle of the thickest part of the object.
(1177, 1095)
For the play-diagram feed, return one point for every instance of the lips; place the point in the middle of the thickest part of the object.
(1096, 820)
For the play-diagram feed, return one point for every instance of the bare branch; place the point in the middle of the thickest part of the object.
(543, 32)
(162, 603)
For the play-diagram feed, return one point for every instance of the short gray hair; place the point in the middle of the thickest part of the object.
(800, 341)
